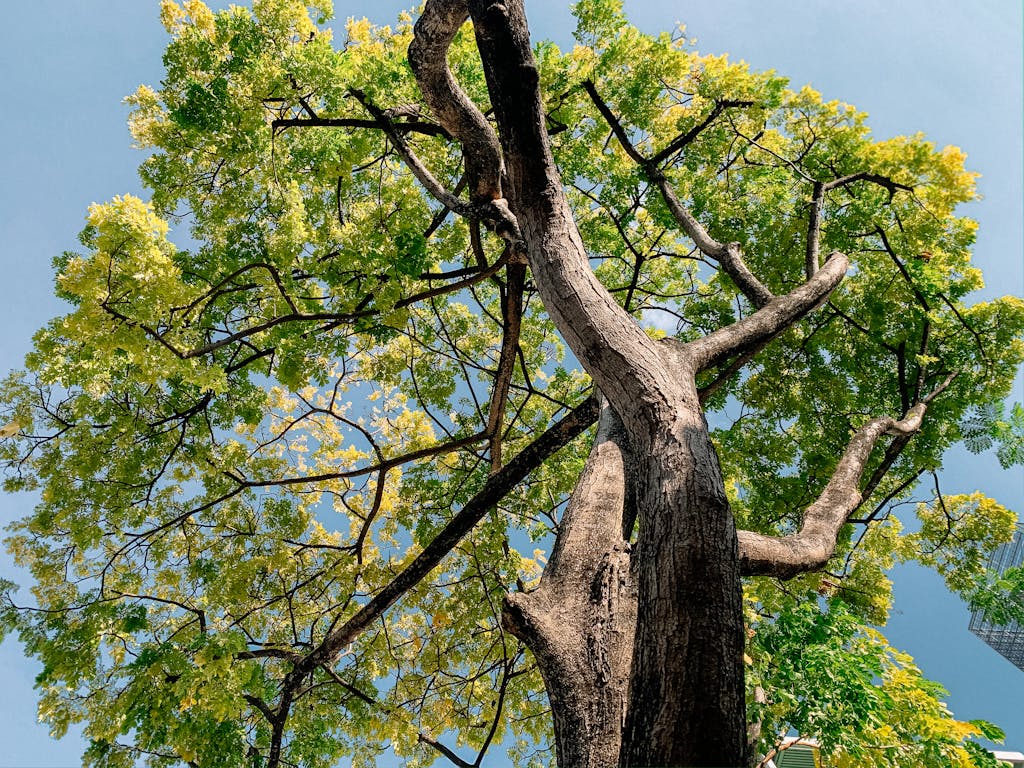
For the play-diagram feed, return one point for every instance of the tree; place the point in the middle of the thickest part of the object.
(296, 477)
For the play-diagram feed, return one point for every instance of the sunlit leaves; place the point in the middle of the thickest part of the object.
(274, 384)
(957, 535)
(866, 703)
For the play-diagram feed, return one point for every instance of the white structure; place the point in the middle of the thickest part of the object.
(1013, 759)
(795, 752)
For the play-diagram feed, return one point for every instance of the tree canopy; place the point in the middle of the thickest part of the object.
(308, 429)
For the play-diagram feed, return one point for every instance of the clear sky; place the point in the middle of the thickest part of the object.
(949, 68)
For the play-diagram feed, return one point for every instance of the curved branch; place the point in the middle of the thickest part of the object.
(818, 199)
(262, 706)
(811, 547)
(428, 57)
(874, 178)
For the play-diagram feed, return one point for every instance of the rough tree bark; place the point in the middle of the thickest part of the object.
(640, 647)
(581, 619)
(686, 695)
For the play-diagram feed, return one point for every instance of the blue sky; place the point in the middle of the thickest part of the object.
(945, 67)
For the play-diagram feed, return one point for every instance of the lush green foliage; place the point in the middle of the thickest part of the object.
(277, 380)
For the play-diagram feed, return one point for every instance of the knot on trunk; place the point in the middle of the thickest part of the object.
(521, 618)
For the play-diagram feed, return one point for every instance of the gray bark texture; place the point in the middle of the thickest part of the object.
(581, 619)
(640, 646)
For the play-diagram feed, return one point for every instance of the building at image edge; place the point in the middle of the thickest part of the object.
(1008, 639)
(795, 752)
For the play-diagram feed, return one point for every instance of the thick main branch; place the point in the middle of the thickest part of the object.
(770, 320)
(626, 365)
(579, 622)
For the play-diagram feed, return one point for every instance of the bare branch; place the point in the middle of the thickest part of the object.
(693, 133)
(497, 485)
(381, 466)
(814, 230)
(818, 199)
(614, 124)
(728, 255)
(874, 178)
(419, 170)
(425, 739)
(769, 321)
(412, 126)
(442, 214)
(261, 705)
(512, 310)
(594, 519)
(815, 542)
(608, 342)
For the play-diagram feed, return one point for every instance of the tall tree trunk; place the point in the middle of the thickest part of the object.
(686, 691)
(641, 652)
(683, 687)
(687, 700)
(677, 610)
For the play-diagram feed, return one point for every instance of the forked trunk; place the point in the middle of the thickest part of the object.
(643, 664)
(654, 680)
(642, 655)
